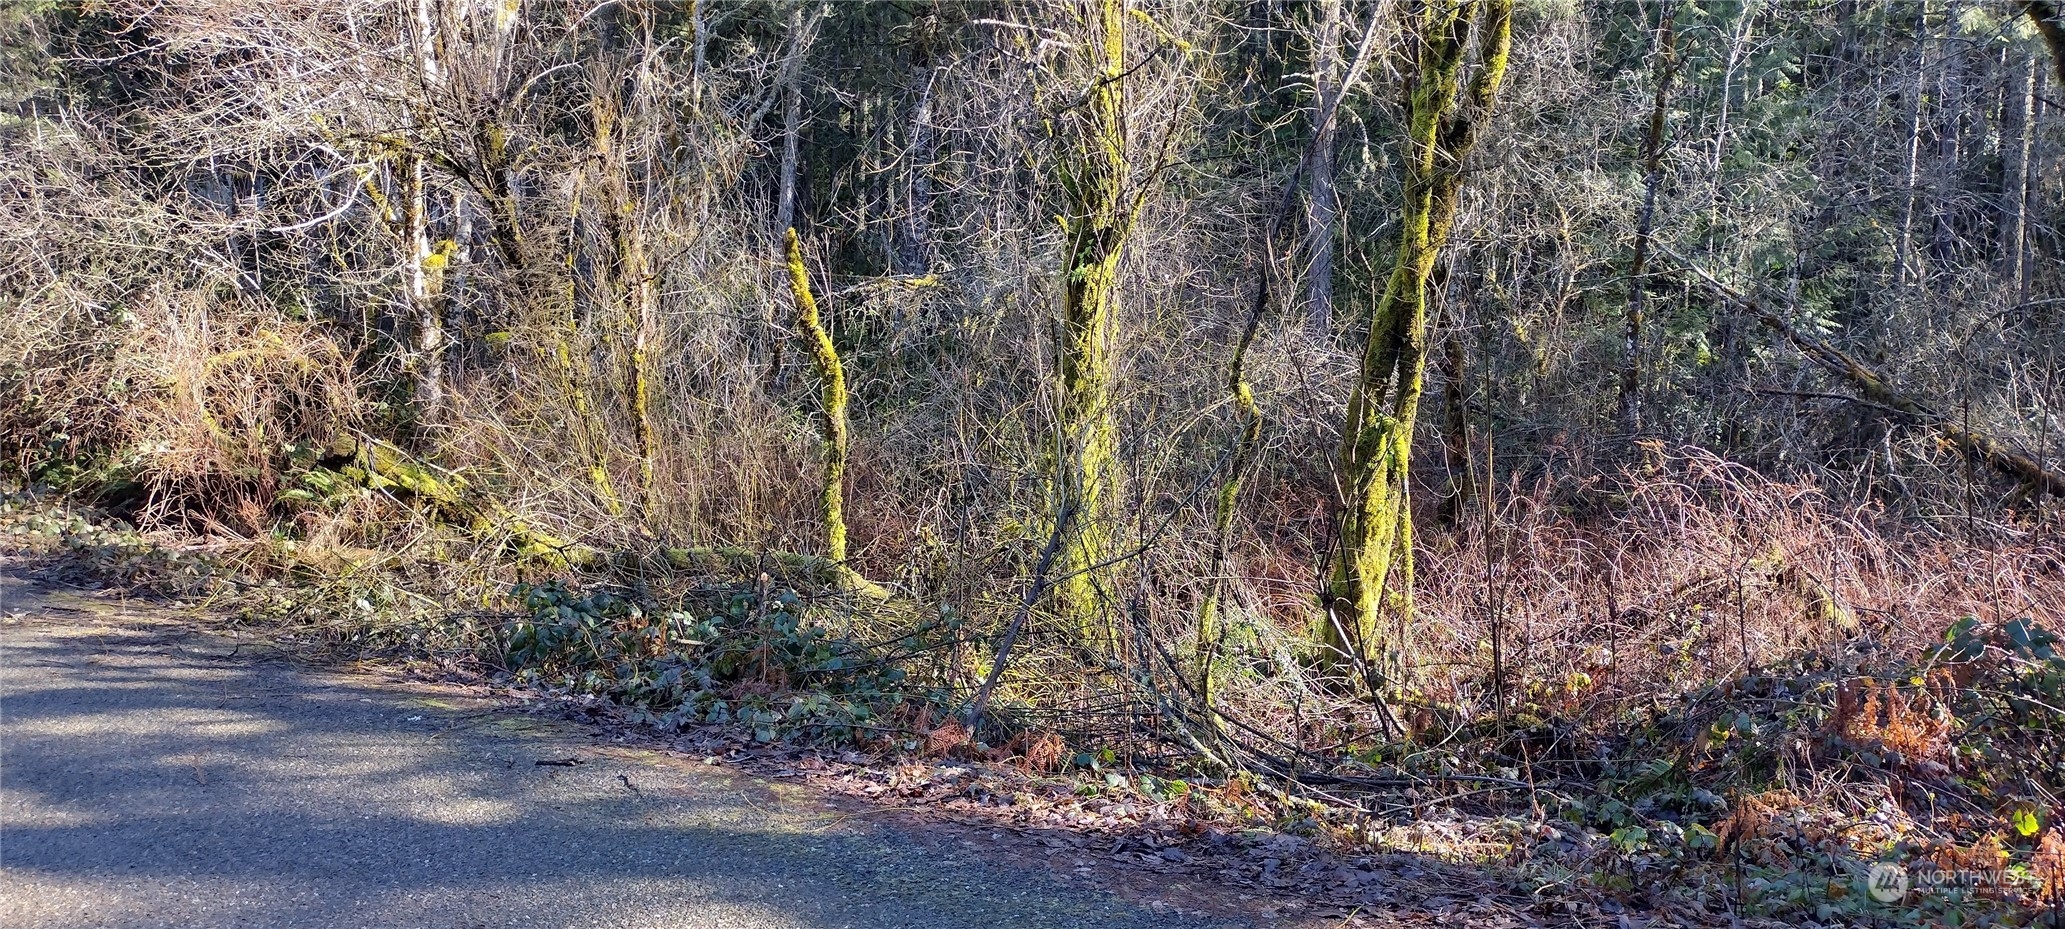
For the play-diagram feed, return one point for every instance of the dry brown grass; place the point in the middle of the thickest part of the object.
(1694, 570)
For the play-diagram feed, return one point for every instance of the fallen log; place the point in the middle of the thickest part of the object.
(377, 465)
(1975, 444)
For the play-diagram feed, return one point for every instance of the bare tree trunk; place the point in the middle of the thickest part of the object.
(1907, 269)
(1949, 132)
(457, 317)
(496, 183)
(1652, 178)
(914, 252)
(2015, 189)
(426, 335)
(699, 41)
(802, 33)
(1738, 48)
(1322, 202)
(800, 37)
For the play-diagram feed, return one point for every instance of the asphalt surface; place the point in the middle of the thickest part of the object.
(155, 775)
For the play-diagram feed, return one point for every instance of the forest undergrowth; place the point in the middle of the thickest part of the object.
(1607, 454)
(1730, 699)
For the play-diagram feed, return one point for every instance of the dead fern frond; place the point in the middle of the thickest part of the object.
(1988, 853)
(2048, 867)
(1882, 714)
(1752, 817)
(946, 738)
(1045, 752)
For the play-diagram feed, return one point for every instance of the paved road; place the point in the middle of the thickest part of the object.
(151, 775)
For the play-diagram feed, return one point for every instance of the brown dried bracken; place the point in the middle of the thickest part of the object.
(1985, 855)
(1045, 752)
(1751, 816)
(1883, 714)
(2048, 867)
(946, 738)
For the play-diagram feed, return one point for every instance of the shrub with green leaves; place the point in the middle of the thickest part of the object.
(2011, 701)
(746, 659)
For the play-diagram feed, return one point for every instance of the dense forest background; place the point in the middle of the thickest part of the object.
(1326, 366)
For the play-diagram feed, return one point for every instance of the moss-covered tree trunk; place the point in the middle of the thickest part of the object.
(1374, 557)
(632, 275)
(1210, 627)
(1098, 220)
(615, 98)
(831, 377)
(589, 430)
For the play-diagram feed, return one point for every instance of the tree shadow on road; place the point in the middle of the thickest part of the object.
(153, 777)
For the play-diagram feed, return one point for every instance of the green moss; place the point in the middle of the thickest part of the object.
(588, 429)
(1374, 556)
(832, 391)
(1086, 444)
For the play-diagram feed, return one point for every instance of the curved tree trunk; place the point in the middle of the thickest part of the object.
(832, 388)
(1374, 555)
